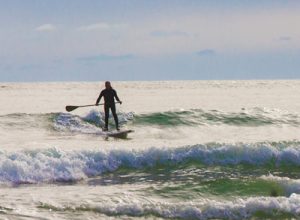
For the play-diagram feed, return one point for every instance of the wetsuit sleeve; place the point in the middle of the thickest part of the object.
(116, 96)
(99, 98)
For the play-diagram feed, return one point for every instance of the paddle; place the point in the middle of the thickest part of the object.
(70, 108)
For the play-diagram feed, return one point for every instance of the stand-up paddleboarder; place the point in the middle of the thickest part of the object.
(109, 95)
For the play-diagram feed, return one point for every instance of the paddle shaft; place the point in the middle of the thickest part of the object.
(79, 106)
(73, 107)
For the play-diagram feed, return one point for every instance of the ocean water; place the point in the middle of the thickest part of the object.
(200, 150)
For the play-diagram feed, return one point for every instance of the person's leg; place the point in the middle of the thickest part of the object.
(106, 112)
(113, 110)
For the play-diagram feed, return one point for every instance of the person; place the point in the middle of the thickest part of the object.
(109, 95)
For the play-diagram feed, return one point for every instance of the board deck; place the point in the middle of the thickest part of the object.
(118, 134)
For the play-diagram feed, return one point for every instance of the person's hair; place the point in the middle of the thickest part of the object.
(108, 83)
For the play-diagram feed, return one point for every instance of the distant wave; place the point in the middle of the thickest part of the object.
(24, 121)
(197, 117)
(254, 117)
(55, 165)
(241, 208)
(93, 121)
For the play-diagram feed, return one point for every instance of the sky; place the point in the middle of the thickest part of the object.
(94, 40)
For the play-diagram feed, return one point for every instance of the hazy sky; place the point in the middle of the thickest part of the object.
(54, 40)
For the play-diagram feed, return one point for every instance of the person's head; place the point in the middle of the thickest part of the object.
(107, 85)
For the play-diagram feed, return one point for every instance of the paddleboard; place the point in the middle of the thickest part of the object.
(118, 134)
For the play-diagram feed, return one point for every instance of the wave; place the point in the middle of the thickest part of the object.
(289, 185)
(55, 165)
(61, 122)
(253, 117)
(194, 117)
(26, 121)
(211, 182)
(93, 121)
(253, 207)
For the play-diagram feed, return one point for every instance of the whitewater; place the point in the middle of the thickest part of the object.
(200, 150)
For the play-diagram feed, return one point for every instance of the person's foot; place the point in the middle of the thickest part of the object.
(118, 129)
(105, 129)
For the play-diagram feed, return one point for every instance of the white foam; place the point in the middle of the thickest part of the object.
(91, 123)
(196, 209)
(68, 122)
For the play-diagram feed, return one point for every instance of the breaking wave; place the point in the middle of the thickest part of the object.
(55, 165)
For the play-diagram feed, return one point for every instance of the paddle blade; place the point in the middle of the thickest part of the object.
(70, 108)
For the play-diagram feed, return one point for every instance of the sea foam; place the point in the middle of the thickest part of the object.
(239, 208)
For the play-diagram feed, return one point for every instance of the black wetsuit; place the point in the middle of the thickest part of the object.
(109, 103)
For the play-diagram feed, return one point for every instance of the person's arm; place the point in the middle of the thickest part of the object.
(116, 96)
(99, 98)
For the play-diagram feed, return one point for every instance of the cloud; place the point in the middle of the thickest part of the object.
(46, 28)
(206, 52)
(105, 57)
(285, 38)
(29, 67)
(169, 34)
(101, 26)
(233, 31)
